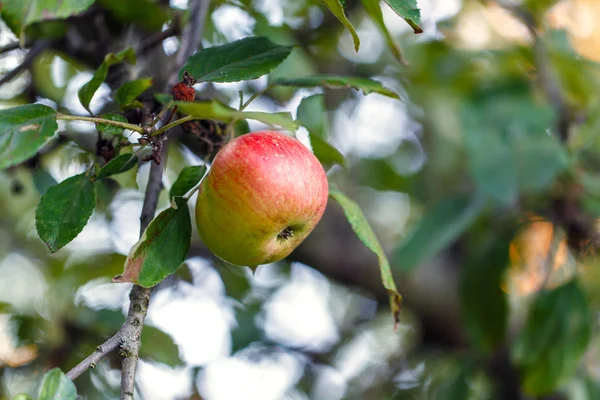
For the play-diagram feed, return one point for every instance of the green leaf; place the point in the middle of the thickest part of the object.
(42, 180)
(483, 302)
(363, 231)
(117, 165)
(56, 386)
(555, 337)
(374, 11)
(187, 179)
(508, 147)
(244, 59)
(325, 152)
(311, 114)
(336, 8)
(159, 346)
(130, 91)
(339, 82)
(111, 129)
(216, 110)
(408, 10)
(23, 131)
(64, 210)
(88, 90)
(162, 248)
(21, 14)
(441, 224)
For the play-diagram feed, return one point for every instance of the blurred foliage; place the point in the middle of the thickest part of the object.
(483, 182)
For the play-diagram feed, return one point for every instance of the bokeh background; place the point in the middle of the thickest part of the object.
(469, 250)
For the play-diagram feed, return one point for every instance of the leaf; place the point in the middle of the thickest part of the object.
(339, 82)
(408, 10)
(23, 131)
(363, 231)
(24, 13)
(244, 59)
(111, 129)
(337, 9)
(556, 334)
(483, 302)
(159, 346)
(87, 91)
(508, 147)
(311, 114)
(216, 110)
(130, 91)
(56, 386)
(187, 179)
(162, 248)
(64, 210)
(42, 180)
(441, 224)
(117, 165)
(374, 11)
(325, 152)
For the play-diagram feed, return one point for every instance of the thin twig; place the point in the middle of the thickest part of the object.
(173, 30)
(97, 120)
(90, 362)
(172, 124)
(10, 47)
(36, 49)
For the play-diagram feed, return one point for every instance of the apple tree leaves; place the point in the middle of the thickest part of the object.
(339, 82)
(363, 231)
(87, 91)
(337, 9)
(244, 59)
(23, 131)
(65, 209)
(187, 179)
(57, 386)
(406, 9)
(556, 334)
(162, 248)
(312, 115)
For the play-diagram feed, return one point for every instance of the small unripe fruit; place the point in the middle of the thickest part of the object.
(264, 194)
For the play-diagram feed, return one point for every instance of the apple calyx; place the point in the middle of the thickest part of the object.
(286, 233)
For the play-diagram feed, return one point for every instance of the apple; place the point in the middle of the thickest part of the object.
(263, 195)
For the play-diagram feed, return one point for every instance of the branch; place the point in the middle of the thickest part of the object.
(140, 297)
(10, 47)
(36, 49)
(128, 338)
(173, 30)
(101, 351)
